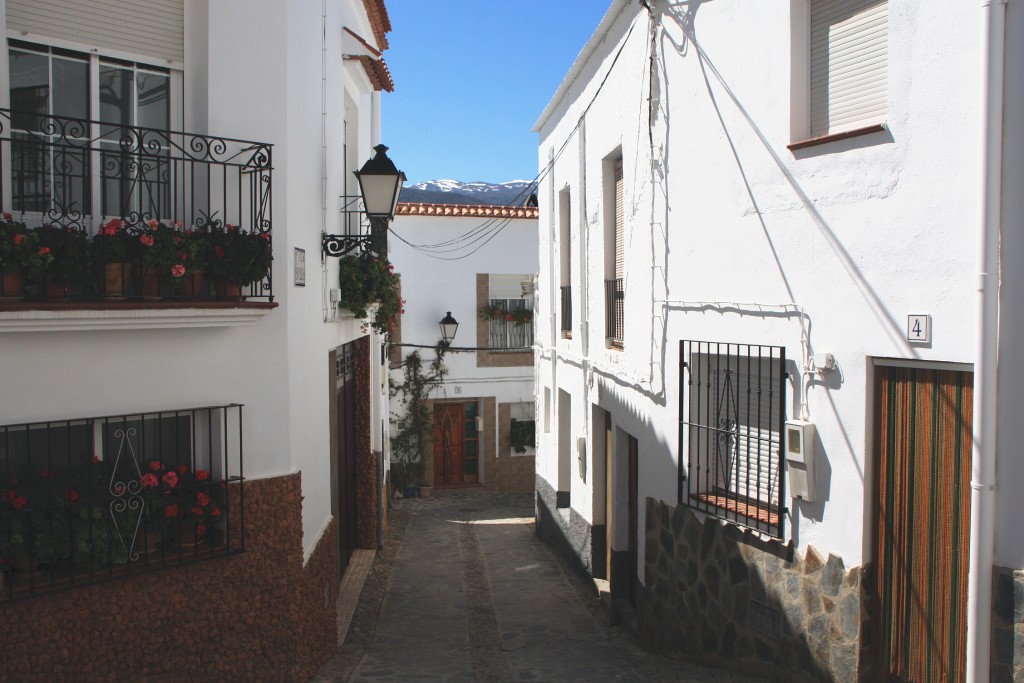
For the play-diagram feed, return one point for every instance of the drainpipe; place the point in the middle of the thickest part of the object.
(983, 456)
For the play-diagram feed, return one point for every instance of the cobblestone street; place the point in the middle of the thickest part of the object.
(465, 591)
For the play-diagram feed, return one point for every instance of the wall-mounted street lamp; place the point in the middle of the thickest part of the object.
(449, 326)
(380, 183)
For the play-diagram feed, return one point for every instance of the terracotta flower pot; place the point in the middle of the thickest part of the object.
(192, 285)
(24, 562)
(190, 534)
(12, 284)
(228, 290)
(149, 284)
(114, 277)
(55, 290)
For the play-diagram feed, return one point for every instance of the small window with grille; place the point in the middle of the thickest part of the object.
(509, 314)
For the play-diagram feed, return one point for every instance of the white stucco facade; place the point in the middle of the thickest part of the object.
(435, 280)
(254, 71)
(730, 236)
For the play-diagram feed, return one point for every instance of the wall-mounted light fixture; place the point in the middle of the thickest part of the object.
(380, 183)
(449, 326)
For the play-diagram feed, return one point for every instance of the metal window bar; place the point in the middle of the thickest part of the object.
(567, 309)
(731, 420)
(90, 500)
(503, 332)
(614, 311)
(59, 164)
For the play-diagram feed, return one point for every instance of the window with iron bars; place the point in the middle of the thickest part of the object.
(731, 417)
(89, 500)
(511, 325)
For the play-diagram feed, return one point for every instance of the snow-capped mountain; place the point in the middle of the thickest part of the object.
(512, 193)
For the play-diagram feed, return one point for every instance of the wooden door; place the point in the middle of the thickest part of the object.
(345, 388)
(609, 487)
(448, 443)
(634, 517)
(922, 524)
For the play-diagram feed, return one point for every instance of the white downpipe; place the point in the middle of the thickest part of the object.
(983, 456)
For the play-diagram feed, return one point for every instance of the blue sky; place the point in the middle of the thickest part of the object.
(471, 79)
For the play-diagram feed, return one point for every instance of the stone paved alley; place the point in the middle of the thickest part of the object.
(465, 591)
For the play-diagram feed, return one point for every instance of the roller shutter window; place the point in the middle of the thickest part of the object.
(620, 249)
(849, 64)
(150, 28)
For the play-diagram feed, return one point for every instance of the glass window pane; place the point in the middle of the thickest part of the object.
(470, 410)
(117, 95)
(70, 88)
(470, 448)
(153, 90)
(30, 87)
(470, 467)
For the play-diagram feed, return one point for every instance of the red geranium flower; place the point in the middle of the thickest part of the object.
(44, 251)
(200, 529)
(18, 502)
(202, 475)
(70, 495)
(149, 481)
(177, 270)
(182, 469)
(96, 460)
(8, 216)
(156, 465)
(197, 511)
(18, 238)
(146, 240)
(171, 511)
(203, 499)
(171, 479)
(219, 251)
(215, 512)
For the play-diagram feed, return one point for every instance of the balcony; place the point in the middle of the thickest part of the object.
(69, 180)
(85, 501)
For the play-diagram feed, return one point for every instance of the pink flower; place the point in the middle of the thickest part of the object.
(44, 251)
(203, 499)
(182, 469)
(156, 465)
(147, 240)
(171, 479)
(231, 227)
(178, 270)
(96, 460)
(202, 475)
(215, 512)
(153, 223)
(219, 251)
(149, 480)
(171, 511)
(8, 216)
(112, 226)
(19, 238)
(177, 224)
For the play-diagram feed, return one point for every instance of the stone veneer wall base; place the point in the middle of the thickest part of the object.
(567, 532)
(257, 616)
(719, 593)
(1007, 625)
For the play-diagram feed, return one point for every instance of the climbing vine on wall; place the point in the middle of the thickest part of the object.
(412, 420)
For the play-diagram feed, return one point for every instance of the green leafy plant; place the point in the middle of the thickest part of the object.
(22, 250)
(366, 279)
(238, 256)
(114, 243)
(72, 257)
(412, 422)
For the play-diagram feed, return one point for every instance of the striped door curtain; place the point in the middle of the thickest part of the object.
(923, 523)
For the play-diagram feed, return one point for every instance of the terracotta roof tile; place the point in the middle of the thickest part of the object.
(379, 21)
(466, 210)
(376, 70)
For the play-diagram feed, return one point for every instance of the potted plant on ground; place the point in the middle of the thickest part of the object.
(237, 258)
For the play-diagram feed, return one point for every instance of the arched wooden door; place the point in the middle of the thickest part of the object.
(455, 444)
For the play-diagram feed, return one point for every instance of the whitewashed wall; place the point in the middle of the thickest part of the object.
(859, 234)
(432, 287)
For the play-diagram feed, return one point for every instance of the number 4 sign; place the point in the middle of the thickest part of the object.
(919, 328)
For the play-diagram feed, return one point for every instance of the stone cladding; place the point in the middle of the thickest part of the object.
(1007, 625)
(366, 460)
(723, 594)
(508, 472)
(257, 616)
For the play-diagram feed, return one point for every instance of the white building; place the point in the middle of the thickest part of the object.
(305, 80)
(766, 220)
(469, 261)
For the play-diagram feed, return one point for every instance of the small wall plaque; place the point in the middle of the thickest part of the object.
(919, 328)
(300, 267)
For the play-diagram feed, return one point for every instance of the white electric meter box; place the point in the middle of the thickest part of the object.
(799, 452)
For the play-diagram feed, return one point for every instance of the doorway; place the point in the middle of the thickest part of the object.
(345, 446)
(922, 522)
(456, 444)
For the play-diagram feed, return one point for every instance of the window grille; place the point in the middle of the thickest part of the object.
(615, 311)
(567, 309)
(507, 330)
(731, 417)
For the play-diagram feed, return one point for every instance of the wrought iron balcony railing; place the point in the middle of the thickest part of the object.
(80, 173)
(510, 327)
(90, 500)
(614, 311)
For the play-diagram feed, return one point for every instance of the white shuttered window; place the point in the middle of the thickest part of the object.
(153, 28)
(849, 64)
